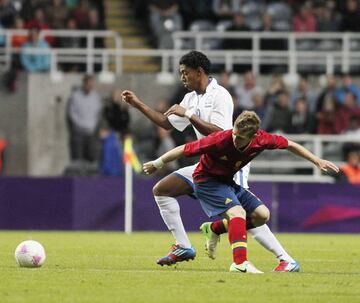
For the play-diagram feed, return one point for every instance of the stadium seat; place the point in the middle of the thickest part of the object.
(202, 25)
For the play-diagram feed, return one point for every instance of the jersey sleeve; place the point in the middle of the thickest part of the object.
(204, 145)
(180, 123)
(223, 109)
(275, 141)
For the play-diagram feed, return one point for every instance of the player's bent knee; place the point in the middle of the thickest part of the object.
(235, 212)
(157, 189)
(261, 215)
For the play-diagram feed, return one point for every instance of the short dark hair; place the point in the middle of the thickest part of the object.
(195, 59)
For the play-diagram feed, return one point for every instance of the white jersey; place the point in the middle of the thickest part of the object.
(215, 106)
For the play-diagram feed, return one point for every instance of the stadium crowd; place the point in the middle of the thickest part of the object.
(301, 109)
(37, 15)
(165, 16)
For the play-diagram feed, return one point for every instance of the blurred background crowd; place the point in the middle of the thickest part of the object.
(330, 106)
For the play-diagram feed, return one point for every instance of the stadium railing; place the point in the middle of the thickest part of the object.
(87, 55)
(342, 51)
(326, 49)
(281, 166)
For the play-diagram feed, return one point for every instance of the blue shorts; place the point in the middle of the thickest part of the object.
(216, 197)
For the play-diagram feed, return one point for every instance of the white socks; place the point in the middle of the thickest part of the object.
(266, 238)
(170, 212)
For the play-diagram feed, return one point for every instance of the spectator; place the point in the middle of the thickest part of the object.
(95, 24)
(346, 111)
(305, 20)
(84, 113)
(353, 128)
(71, 3)
(3, 145)
(71, 42)
(326, 117)
(164, 19)
(35, 62)
(2, 37)
(259, 105)
(57, 13)
(327, 92)
(7, 13)
(327, 20)
(29, 7)
(116, 114)
(351, 17)
(196, 10)
(111, 163)
(302, 120)
(225, 9)
(238, 25)
(347, 86)
(81, 14)
(276, 87)
(267, 24)
(351, 170)
(113, 130)
(247, 91)
(224, 80)
(39, 22)
(278, 116)
(303, 91)
(18, 39)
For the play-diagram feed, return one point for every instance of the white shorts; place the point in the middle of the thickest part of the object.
(241, 177)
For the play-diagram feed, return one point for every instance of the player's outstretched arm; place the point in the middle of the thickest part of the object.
(301, 151)
(171, 155)
(158, 118)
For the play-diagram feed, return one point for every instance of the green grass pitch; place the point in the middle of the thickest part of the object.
(115, 267)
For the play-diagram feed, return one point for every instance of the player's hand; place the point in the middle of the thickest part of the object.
(149, 168)
(325, 165)
(175, 110)
(130, 98)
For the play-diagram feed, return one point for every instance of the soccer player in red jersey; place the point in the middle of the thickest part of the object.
(222, 155)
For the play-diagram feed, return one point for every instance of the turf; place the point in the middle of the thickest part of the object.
(115, 267)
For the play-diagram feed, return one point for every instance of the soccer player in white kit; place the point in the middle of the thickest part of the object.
(208, 107)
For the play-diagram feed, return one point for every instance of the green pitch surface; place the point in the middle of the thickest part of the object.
(114, 267)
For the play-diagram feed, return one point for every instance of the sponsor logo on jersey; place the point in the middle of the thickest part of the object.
(227, 201)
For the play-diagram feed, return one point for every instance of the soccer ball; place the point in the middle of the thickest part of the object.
(30, 254)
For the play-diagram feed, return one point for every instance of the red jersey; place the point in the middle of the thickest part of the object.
(221, 160)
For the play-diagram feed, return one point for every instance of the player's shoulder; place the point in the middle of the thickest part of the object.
(262, 137)
(222, 135)
(219, 89)
(189, 96)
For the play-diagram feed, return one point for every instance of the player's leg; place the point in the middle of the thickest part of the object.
(236, 216)
(267, 239)
(261, 233)
(212, 230)
(164, 192)
(220, 199)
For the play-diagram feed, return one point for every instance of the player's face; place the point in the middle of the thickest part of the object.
(189, 77)
(240, 138)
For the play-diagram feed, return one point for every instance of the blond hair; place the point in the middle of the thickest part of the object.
(247, 122)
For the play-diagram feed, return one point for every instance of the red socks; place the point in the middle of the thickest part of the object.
(219, 227)
(238, 239)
